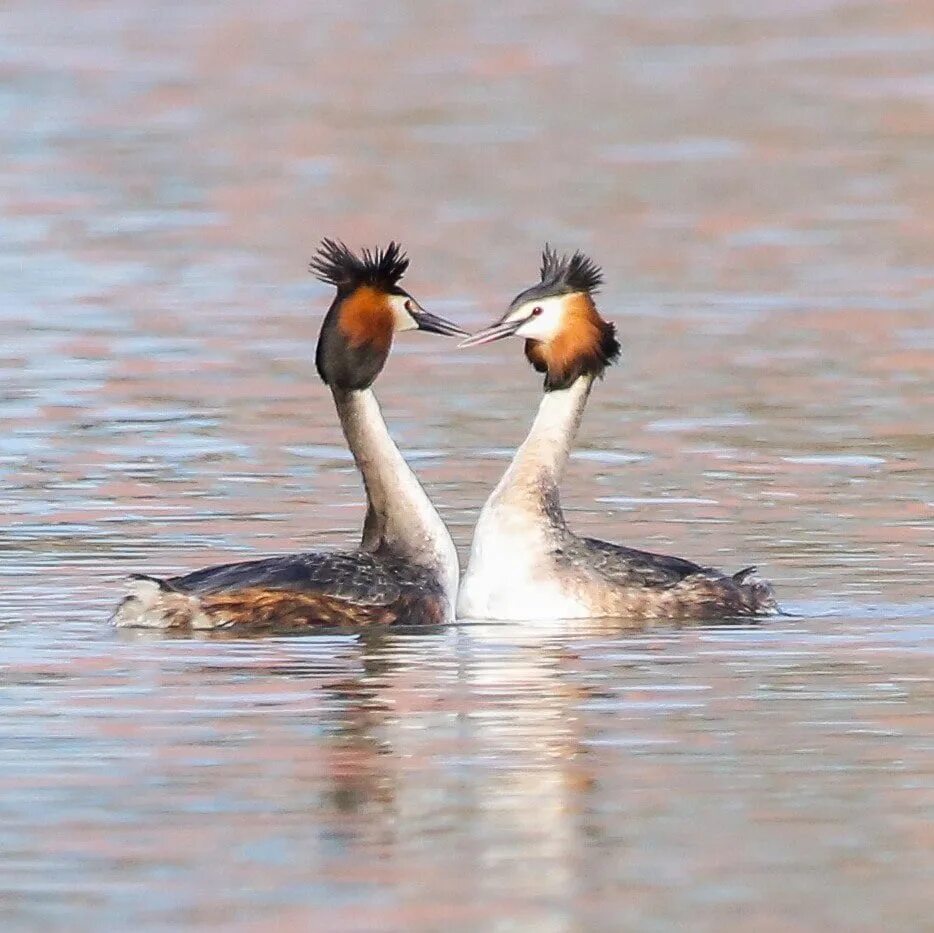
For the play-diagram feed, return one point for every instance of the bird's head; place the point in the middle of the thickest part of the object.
(565, 336)
(370, 308)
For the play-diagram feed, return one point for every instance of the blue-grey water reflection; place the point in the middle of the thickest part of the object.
(755, 181)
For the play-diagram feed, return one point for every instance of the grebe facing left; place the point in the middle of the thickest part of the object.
(405, 569)
(525, 563)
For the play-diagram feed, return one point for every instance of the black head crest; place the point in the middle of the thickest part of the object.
(335, 264)
(562, 275)
(577, 273)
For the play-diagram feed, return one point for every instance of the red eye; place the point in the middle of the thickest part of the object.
(536, 311)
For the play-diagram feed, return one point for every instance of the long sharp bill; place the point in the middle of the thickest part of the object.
(489, 334)
(433, 324)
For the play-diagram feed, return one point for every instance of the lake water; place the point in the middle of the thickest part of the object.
(755, 180)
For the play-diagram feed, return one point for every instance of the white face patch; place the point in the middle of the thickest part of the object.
(402, 319)
(543, 317)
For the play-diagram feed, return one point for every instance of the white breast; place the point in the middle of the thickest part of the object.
(510, 575)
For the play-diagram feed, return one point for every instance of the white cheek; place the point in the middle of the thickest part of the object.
(546, 324)
(401, 318)
(542, 327)
(531, 329)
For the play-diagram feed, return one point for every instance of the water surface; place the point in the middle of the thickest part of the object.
(755, 180)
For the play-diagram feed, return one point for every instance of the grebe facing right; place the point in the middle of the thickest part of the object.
(525, 563)
(405, 570)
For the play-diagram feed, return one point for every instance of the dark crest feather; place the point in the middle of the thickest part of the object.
(576, 273)
(335, 264)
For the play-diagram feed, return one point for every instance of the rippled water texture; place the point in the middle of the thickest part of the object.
(755, 179)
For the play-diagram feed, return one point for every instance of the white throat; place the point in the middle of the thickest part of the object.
(538, 466)
(509, 575)
(399, 513)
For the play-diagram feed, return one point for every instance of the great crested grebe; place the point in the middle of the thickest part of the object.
(525, 563)
(405, 569)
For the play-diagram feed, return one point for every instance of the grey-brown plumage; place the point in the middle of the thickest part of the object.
(656, 585)
(290, 593)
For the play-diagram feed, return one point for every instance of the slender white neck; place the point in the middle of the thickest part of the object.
(399, 513)
(533, 477)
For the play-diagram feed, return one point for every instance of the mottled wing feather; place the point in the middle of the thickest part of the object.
(630, 567)
(360, 578)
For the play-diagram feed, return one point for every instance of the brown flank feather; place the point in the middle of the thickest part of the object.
(259, 608)
(366, 319)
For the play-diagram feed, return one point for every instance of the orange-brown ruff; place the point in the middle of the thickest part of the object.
(525, 563)
(405, 570)
(579, 347)
(366, 320)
